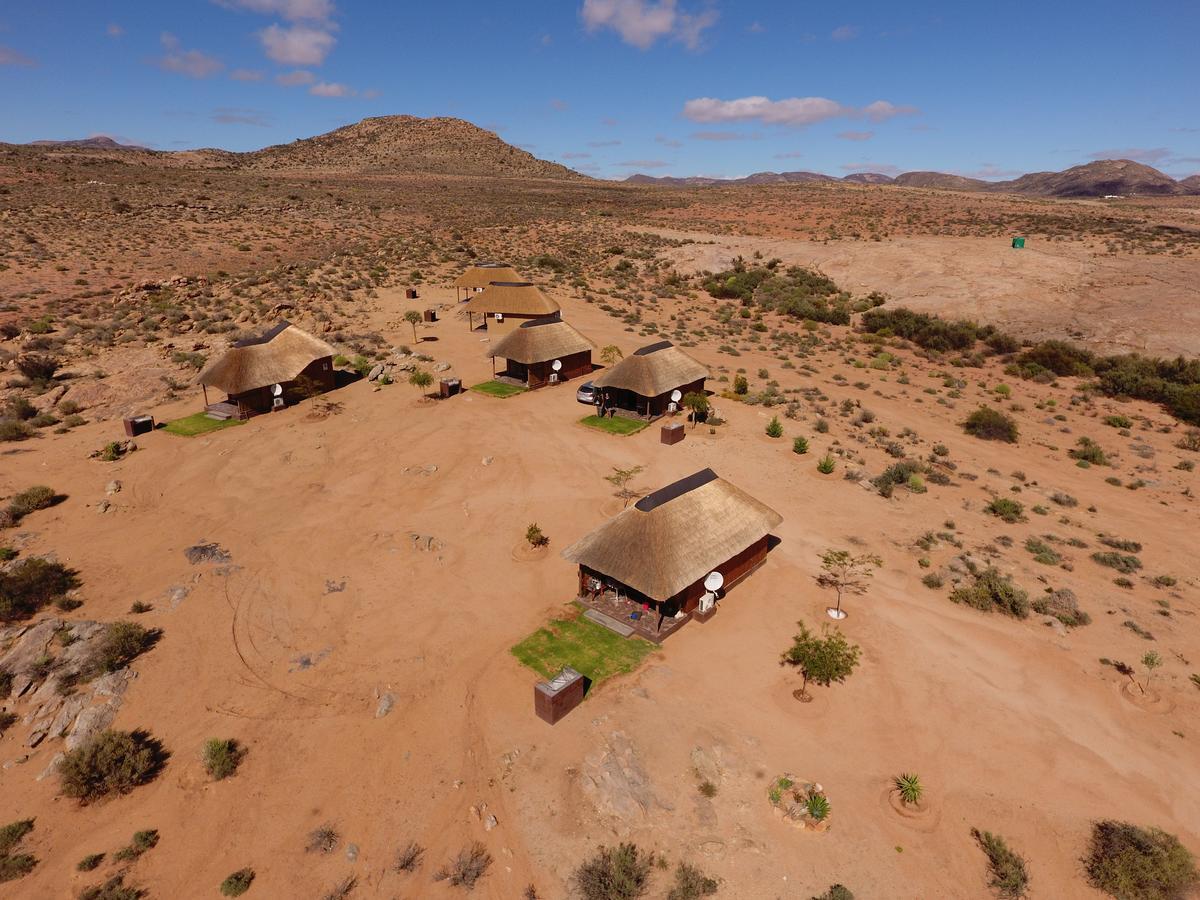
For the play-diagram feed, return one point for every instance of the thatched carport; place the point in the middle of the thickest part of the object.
(287, 356)
(480, 275)
(503, 305)
(642, 382)
(659, 551)
(530, 351)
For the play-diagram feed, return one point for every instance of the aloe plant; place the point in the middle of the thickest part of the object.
(818, 806)
(910, 788)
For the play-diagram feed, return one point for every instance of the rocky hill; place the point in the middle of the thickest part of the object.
(99, 142)
(1095, 179)
(869, 178)
(398, 144)
(940, 180)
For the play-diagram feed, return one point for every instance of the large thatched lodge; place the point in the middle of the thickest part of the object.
(642, 384)
(531, 350)
(646, 567)
(480, 275)
(259, 374)
(503, 305)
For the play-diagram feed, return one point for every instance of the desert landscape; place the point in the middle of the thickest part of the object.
(335, 614)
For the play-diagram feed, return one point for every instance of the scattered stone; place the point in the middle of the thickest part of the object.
(441, 367)
(386, 702)
(103, 506)
(352, 852)
(375, 372)
(615, 781)
(206, 552)
(113, 487)
(487, 460)
(177, 594)
(334, 587)
(489, 823)
(426, 543)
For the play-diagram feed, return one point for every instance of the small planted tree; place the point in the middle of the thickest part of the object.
(413, 318)
(610, 354)
(535, 537)
(620, 479)
(222, 756)
(1151, 660)
(774, 428)
(800, 445)
(420, 379)
(826, 464)
(697, 406)
(822, 660)
(909, 787)
(846, 573)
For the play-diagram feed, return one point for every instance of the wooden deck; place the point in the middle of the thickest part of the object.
(621, 613)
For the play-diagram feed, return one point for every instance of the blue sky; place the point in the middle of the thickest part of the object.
(610, 87)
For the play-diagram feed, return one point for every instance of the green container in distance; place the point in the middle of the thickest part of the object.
(1018, 243)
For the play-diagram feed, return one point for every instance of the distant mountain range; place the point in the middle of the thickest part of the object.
(447, 146)
(1095, 179)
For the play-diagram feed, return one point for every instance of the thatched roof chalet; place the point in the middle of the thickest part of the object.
(540, 340)
(672, 538)
(512, 298)
(481, 275)
(276, 357)
(653, 370)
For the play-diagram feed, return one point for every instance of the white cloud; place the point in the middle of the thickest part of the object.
(856, 135)
(114, 30)
(330, 89)
(845, 33)
(246, 75)
(10, 57)
(298, 45)
(796, 111)
(295, 79)
(192, 63)
(292, 10)
(1148, 155)
(643, 22)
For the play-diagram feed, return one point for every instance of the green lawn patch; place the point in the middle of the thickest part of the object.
(588, 648)
(199, 423)
(615, 425)
(499, 389)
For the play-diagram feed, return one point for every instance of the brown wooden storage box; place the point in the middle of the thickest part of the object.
(555, 698)
(448, 387)
(430, 315)
(672, 433)
(136, 425)
(411, 293)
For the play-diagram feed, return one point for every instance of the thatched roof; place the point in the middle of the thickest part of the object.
(675, 536)
(653, 370)
(277, 356)
(513, 298)
(481, 275)
(540, 340)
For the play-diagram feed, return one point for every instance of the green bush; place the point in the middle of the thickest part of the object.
(928, 332)
(13, 833)
(14, 430)
(113, 889)
(1009, 876)
(222, 757)
(1087, 450)
(6, 683)
(31, 500)
(691, 884)
(1133, 863)
(1124, 564)
(31, 584)
(618, 873)
(826, 464)
(15, 865)
(836, 892)
(800, 445)
(1062, 605)
(774, 428)
(991, 592)
(119, 645)
(1118, 421)
(238, 883)
(90, 862)
(1003, 508)
(991, 425)
(110, 762)
(142, 842)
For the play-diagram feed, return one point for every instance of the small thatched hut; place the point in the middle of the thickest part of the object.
(530, 351)
(480, 275)
(285, 364)
(503, 305)
(659, 551)
(642, 383)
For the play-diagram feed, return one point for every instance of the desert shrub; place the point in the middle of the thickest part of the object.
(113, 889)
(1064, 499)
(1088, 451)
(14, 430)
(933, 581)
(909, 786)
(535, 537)
(342, 889)
(16, 865)
(615, 873)
(1062, 605)
(1133, 863)
(238, 883)
(7, 720)
(12, 834)
(740, 385)
(900, 473)
(142, 841)
(991, 425)
(928, 332)
(691, 884)
(31, 584)
(707, 789)
(324, 839)
(836, 892)
(1123, 563)
(1120, 544)
(409, 857)
(31, 500)
(466, 868)
(774, 428)
(991, 592)
(1118, 421)
(1043, 552)
(1007, 510)
(37, 367)
(222, 757)
(1190, 440)
(6, 683)
(800, 445)
(1009, 876)
(119, 645)
(110, 762)
(826, 464)
(1058, 357)
(89, 862)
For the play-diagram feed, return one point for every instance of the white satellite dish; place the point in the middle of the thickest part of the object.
(556, 365)
(277, 390)
(499, 317)
(713, 581)
(676, 396)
